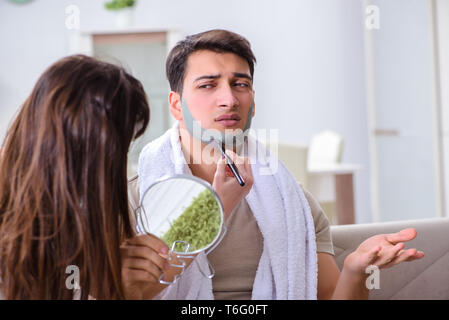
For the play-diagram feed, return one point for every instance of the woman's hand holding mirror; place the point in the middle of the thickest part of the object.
(144, 259)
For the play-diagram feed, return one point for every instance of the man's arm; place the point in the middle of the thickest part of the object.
(333, 284)
(328, 274)
(383, 251)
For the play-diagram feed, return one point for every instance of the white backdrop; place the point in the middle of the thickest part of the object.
(309, 76)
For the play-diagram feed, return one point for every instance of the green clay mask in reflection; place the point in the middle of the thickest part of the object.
(198, 225)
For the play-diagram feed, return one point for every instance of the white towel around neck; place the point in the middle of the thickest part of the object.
(288, 266)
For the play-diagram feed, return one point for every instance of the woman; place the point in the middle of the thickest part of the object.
(63, 182)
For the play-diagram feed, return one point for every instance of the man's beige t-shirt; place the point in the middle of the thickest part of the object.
(236, 258)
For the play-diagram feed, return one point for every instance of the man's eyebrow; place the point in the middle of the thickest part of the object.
(216, 76)
(242, 75)
(212, 76)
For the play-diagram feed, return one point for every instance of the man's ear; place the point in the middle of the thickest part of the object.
(174, 99)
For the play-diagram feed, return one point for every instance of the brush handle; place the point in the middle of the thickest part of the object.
(236, 173)
(230, 164)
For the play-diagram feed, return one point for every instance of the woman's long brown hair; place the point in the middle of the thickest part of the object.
(63, 181)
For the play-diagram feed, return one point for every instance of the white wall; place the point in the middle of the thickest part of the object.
(31, 37)
(309, 76)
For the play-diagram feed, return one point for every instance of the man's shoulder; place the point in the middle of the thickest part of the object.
(157, 142)
(156, 147)
(157, 159)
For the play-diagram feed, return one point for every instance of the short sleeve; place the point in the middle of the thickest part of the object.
(322, 225)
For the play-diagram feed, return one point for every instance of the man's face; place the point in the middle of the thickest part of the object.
(218, 89)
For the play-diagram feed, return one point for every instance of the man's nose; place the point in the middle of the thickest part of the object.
(226, 97)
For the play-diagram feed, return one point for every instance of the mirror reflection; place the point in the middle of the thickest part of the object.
(184, 212)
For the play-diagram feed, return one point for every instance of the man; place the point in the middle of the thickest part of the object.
(211, 78)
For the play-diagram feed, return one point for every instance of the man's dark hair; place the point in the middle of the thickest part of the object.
(220, 41)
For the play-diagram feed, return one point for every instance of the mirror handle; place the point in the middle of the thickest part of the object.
(181, 266)
(211, 269)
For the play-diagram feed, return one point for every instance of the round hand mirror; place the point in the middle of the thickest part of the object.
(186, 213)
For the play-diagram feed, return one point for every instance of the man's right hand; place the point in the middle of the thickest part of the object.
(227, 186)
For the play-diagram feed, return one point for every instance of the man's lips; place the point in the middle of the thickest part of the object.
(228, 120)
(228, 117)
